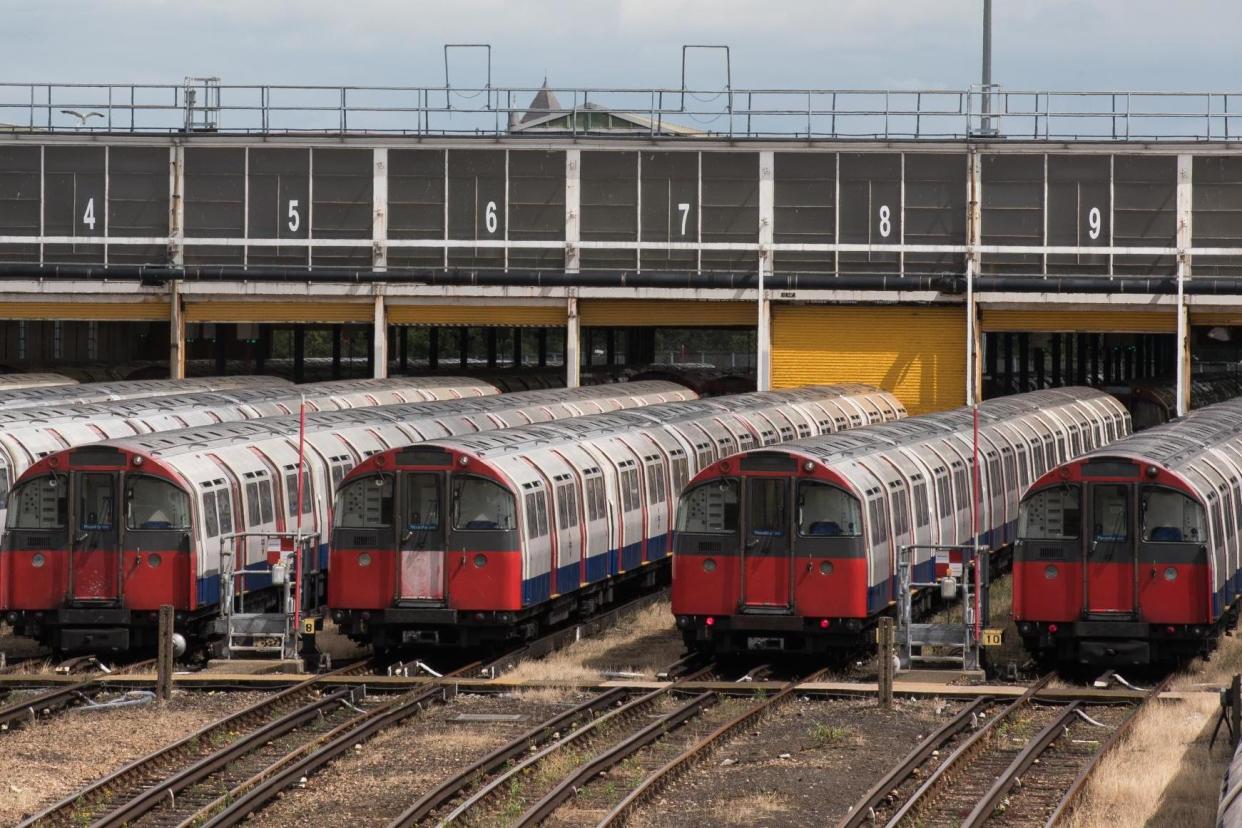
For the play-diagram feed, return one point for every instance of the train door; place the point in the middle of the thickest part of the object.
(422, 540)
(1111, 554)
(95, 551)
(767, 554)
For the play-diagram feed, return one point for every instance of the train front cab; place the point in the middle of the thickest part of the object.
(1111, 567)
(769, 556)
(94, 549)
(406, 570)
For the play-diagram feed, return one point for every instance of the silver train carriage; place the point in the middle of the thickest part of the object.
(98, 537)
(93, 392)
(16, 382)
(479, 540)
(794, 548)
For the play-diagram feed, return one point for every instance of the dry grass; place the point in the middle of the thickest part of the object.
(642, 643)
(544, 695)
(748, 809)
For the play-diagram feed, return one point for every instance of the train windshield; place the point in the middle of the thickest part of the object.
(1171, 517)
(365, 503)
(709, 508)
(41, 503)
(827, 511)
(482, 504)
(422, 501)
(152, 503)
(1053, 514)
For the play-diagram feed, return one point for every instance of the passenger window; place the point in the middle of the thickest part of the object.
(265, 501)
(1171, 517)
(1051, 514)
(826, 511)
(366, 503)
(224, 500)
(483, 504)
(709, 508)
(40, 503)
(210, 514)
(252, 503)
(152, 503)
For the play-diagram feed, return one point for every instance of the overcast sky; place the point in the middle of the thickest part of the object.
(1047, 44)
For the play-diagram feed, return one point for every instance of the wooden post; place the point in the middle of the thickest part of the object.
(164, 663)
(884, 652)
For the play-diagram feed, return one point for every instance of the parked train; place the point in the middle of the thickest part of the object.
(26, 434)
(99, 536)
(793, 548)
(487, 539)
(1130, 554)
(14, 382)
(1153, 402)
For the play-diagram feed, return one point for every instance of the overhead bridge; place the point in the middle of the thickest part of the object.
(897, 235)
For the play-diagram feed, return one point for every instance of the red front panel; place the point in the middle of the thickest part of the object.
(37, 587)
(1110, 587)
(1182, 600)
(148, 586)
(353, 586)
(96, 574)
(699, 592)
(1036, 597)
(767, 580)
(496, 584)
(840, 593)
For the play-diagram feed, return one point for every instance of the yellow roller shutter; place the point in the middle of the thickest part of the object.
(1077, 321)
(621, 313)
(85, 311)
(537, 316)
(917, 353)
(303, 310)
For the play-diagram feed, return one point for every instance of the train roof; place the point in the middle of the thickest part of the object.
(496, 444)
(91, 392)
(1177, 443)
(189, 440)
(10, 382)
(315, 392)
(830, 448)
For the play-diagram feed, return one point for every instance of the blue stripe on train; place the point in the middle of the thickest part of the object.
(208, 586)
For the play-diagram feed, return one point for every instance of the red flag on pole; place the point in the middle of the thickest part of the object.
(297, 545)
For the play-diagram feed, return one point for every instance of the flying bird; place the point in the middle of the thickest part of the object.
(82, 117)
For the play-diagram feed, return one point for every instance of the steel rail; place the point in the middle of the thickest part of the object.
(1035, 748)
(70, 810)
(453, 786)
(29, 709)
(610, 758)
(923, 793)
(168, 788)
(668, 772)
(861, 812)
(1068, 801)
(239, 803)
(626, 711)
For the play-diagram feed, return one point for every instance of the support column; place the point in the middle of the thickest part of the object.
(379, 209)
(573, 199)
(1185, 169)
(573, 333)
(763, 328)
(974, 343)
(379, 336)
(299, 353)
(176, 335)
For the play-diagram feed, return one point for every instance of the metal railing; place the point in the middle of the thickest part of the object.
(203, 105)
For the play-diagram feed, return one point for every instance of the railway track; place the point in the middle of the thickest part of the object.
(27, 711)
(112, 793)
(997, 764)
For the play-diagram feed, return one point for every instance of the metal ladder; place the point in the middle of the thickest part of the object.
(958, 638)
(249, 633)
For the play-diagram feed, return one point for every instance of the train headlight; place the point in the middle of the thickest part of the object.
(1170, 573)
(364, 559)
(37, 561)
(825, 568)
(480, 561)
(1050, 572)
(709, 565)
(153, 560)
